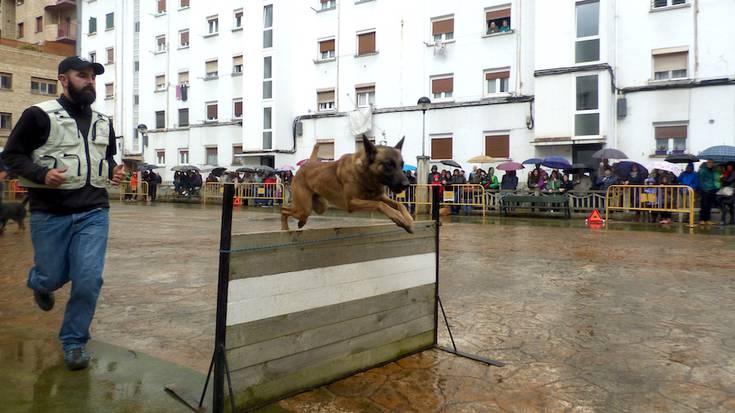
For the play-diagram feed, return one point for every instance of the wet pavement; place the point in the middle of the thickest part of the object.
(631, 318)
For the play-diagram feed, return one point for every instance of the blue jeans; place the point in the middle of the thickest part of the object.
(70, 248)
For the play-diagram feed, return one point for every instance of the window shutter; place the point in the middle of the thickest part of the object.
(442, 85)
(366, 43)
(212, 111)
(325, 96)
(365, 89)
(670, 61)
(184, 3)
(665, 132)
(497, 146)
(161, 6)
(211, 66)
(326, 150)
(497, 75)
(326, 46)
(442, 26)
(185, 37)
(237, 60)
(110, 55)
(183, 77)
(441, 148)
(498, 14)
(238, 108)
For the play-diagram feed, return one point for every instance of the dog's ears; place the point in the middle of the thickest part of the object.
(370, 150)
(399, 145)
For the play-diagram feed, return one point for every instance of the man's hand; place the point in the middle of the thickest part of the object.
(118, 174)
(55, 177)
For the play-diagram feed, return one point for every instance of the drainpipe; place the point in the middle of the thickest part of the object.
(79, 29)
(696, 38)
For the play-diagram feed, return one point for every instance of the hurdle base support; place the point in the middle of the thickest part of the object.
(189, 399)
(474, 357)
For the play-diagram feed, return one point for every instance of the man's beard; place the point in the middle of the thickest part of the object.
(82, 96)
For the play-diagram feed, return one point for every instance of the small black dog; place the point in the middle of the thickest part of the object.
(13, 212)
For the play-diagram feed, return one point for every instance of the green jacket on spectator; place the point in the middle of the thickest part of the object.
(707, 178)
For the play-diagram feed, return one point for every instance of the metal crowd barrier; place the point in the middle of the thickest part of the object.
(468, 195)
(12, 190)
(212, 190)
(651, 198)
(258, 192)
(129, 192)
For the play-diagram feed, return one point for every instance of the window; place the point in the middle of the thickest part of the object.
(497, 146)
(211, 156)
(657, 4)
(161, 7)
(6, 81)
(183, 117)
(160, 157)
(267, 127)
(39, 24)
(109, 90)
(326, 49)
(92, 57)
(237, 150)
(160, 119)
(160, 83)
(110, 55)
(211, 111)
(365, 95)
(92, 25)
(268, 77)
(183, 156)
(442, 29)
(497, 20)
(325, 100)
(442, 87)
(161, 44)
(237, 65)
(184, 38)
(109, 21)
(441, 148)
(183, 4)
(587, 46)
(328, 4)
(496, 81)
(670, 64)
(43, 86)
(237, 22)
(365, 43)
(6, 120)
(326, 149)
(211, 69)
(267, 26)
(213, 25)
(587, 117)
(671, 139)
(237, 108)
(20, 30)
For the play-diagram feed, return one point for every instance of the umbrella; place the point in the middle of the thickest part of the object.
(609, 153)
(556, 162)
(622, 169)
(218, 171)
(185, 168)
(264, 169)
(407, 167)
(532, 161)
(719, 153)
(451, 163)
(146, 167)
(681, 158)
(481, 159)
(286, 168)
(665, 166)
(246, 169)
(509, 166)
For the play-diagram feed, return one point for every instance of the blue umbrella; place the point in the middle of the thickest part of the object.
(532, 161)
(719, 153)
(407, 167)
(556, 162)
(622, 169)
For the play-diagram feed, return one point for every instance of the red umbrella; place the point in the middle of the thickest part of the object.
(301, 162)
(509, 166)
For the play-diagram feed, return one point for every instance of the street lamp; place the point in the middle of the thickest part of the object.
(424, 103)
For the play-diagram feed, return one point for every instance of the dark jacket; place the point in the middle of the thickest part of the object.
(29, 134)
(509, 182)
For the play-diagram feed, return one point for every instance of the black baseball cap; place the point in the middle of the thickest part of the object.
(79, 63)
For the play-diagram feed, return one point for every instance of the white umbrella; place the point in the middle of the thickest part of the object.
(664, 166)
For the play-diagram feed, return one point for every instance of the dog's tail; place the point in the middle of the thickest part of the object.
(314, 152)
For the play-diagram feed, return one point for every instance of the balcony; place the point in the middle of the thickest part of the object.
(61, 5)
(67, 33)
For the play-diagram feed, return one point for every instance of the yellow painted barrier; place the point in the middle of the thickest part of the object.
(131, 193)
(213, 190)
(651, 198)
(468, 195)
(12, 190)
(269, 193)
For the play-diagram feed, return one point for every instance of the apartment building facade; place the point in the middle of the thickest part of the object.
(248, 83)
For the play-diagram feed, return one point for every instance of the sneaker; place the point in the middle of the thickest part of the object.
(76, 359)
(45, 301)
